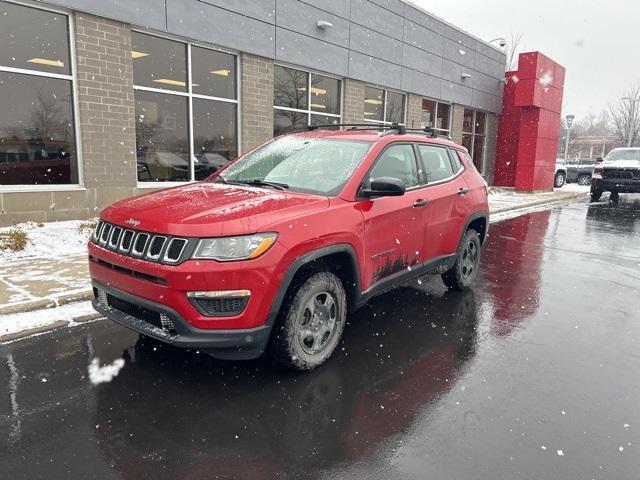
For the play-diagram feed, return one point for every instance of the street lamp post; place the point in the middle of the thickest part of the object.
(631, 124)
(566, 140)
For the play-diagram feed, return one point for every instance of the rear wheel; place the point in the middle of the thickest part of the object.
(465, 269)
(614, 198)
(559, 180)
(311, 323)
(584, 180)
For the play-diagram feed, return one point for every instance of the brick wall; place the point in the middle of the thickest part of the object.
(256, 101)
(457, 120)
(414, 111)
(353, 106)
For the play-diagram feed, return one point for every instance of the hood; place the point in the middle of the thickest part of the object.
(621, 164)
(211, 209)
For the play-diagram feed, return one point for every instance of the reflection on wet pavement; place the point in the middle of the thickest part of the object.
(541, 356)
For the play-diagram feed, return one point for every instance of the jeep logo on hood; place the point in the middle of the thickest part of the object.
(133, 222)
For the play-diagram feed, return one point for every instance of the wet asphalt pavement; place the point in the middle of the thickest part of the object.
(535, 374)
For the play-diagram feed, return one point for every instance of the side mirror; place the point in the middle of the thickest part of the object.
(384, 187)
(599, 159)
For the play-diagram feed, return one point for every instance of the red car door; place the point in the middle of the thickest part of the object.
(394, 226)
(446, 190)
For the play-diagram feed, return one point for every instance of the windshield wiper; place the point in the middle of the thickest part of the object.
(259, 183)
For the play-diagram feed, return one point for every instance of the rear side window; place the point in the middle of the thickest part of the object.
(455, 161)
(397, 161)
(436, 161)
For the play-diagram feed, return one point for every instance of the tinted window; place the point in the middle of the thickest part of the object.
(397, 161)
(33, 39)
(324, 94)
(436, 163)
(395, 107)
(290, 88)
(455, 161)
(162, 137)
(285, 121)
(37, 138)
(158, 62)
(213, 73)
(373, 104)
(214, 135)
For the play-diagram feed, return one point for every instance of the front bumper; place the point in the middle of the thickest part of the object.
(621, 185)
(174, 330)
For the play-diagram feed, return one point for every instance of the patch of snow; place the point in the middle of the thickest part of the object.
(17, 322)
(560, 453)
(106, 373)
(51, 240)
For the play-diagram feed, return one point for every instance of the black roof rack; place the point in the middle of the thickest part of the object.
(386, 128)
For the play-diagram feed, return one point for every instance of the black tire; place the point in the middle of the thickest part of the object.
(595, 195)
(559, 180)
(464, 271)
(584, 180)
(614, 198)
(294, 346)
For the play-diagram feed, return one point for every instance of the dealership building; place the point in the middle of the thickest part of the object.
(104, 99)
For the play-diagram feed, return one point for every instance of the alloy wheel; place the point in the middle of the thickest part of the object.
(317, 323)
(469, 259)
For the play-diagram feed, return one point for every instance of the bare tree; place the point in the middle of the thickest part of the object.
(513, 51)
(625, 116)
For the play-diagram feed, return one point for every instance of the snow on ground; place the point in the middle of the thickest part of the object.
(17, 322)
(52, 240)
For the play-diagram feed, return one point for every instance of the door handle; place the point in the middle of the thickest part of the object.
(463, 191)
(421, 202)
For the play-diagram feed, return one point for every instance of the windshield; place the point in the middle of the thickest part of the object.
(623, 154)
(311, 166)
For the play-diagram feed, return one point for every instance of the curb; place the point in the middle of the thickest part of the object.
(47, 302)
(10, 337)
(548, 201)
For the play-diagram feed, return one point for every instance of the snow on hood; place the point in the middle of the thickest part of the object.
(212, 209)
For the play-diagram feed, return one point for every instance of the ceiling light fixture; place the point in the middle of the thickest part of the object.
(318, 91)
(47, 62)
(135, 54)
(175, 83)
(318, 106)
(373, 101)
(223, 72)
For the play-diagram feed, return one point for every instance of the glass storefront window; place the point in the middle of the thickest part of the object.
(473, 137)
(213, 73)
(436, 115)
(214, 135)
(162, 137)
(34, 39)
(37, 125)
(383, 106)
(302, 99)
(166, 150)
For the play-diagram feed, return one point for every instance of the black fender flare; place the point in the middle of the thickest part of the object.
(484, 215)
(305, 259)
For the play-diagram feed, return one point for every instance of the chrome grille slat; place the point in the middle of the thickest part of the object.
(142, 245)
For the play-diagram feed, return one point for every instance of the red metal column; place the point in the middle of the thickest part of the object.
(530, 124)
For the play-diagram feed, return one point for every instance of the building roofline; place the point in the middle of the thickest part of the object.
(446, 22)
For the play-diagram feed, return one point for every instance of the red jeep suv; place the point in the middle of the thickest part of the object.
(272, 251)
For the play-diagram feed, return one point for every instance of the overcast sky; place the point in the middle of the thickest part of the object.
(597, 42)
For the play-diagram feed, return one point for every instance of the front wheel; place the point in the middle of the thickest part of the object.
(595, 195)
(465, 269)
(584, 180)
(614, 198)
(559, 180)
(311, 323)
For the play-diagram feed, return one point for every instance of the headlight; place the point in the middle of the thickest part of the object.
(226, 249)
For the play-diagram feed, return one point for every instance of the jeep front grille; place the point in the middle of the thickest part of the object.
(143, 245)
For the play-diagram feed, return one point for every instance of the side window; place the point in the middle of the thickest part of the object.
(397, 161)
(455, 161)
(466, 160)
(436, 163)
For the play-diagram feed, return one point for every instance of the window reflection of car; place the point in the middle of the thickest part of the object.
(207, 163)
(34, 161)
(169, 165)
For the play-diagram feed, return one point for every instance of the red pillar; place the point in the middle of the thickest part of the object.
(530, 124)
